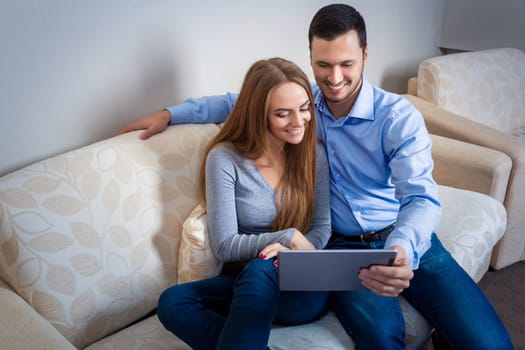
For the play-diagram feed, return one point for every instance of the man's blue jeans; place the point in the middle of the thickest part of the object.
(235, 310)
(440, 290)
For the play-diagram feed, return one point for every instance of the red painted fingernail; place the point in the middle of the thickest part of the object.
(262, 256)
(276, 263)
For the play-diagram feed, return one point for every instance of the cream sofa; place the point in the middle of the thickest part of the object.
(479, 97)
(91, 237)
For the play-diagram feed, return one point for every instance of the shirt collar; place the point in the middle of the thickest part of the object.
(363, 107)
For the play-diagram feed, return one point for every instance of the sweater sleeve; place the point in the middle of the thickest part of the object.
(227, 242)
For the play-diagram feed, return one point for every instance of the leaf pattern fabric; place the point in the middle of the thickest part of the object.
(84, 236)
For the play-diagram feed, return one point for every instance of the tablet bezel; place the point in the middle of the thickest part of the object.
(327, 269)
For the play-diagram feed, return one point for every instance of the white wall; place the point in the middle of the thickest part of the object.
(73, 72)
(483, 24)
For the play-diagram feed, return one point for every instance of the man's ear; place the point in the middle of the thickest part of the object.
(365, 54)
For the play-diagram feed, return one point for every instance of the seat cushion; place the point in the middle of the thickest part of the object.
(326, 333)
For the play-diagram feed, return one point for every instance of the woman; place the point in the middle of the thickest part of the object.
(266, 188)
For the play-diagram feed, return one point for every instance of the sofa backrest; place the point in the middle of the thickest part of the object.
(487, 86)
(90, 238)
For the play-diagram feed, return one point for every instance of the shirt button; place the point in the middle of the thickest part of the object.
(332, 152)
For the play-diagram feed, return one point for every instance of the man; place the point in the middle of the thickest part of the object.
(382, 195)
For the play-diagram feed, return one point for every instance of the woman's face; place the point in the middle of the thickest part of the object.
(289, 113)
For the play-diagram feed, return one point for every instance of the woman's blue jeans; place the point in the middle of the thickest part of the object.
(235, 310)
(440, 290)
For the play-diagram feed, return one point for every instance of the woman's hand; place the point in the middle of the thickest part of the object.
(271, 250)
(299, 241)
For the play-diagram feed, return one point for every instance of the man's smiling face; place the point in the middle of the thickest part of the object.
(338, 67)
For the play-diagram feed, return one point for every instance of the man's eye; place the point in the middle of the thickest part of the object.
(281, 115)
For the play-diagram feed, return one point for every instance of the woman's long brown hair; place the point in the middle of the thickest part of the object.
(247, 126)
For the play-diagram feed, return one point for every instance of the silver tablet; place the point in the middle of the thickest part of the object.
(326, 270)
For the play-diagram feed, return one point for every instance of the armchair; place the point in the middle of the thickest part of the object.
(479, 98)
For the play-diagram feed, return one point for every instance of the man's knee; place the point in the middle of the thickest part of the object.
(373, 322)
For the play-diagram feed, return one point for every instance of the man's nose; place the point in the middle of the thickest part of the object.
(335, 75)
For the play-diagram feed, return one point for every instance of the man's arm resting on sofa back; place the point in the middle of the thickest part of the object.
(206, 109)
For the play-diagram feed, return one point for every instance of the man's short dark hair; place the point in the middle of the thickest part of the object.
(334, 20)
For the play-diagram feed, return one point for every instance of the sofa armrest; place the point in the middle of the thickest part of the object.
(464, 165)
(21, 327)
(412, 86)
(444, 123)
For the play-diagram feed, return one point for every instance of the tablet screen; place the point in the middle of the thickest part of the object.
(326, 270)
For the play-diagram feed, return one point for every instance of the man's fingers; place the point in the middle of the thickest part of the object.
(122, 131)
(386, 273)
(380, 288)
(146, 134)
(386, 281)
(128, 128)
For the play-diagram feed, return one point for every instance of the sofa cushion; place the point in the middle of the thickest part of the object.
(90, 238)
(471, 225)
(148, 334)
(325, 333)
(32, 330)
(196, 259)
